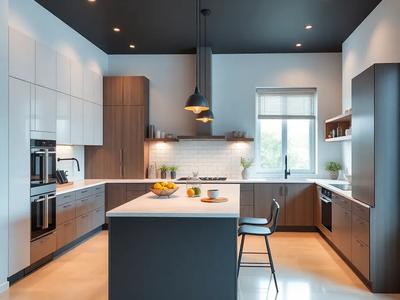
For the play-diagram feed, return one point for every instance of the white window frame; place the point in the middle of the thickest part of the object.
(313, 133)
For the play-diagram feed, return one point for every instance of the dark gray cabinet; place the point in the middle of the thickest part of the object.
(375, 161)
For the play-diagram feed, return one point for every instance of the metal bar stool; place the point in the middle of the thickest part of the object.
(257, 221)
(260, 231)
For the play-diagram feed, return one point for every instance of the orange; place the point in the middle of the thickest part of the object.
(190, 192)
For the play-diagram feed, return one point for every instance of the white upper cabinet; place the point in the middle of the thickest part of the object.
(19, 174)
(76, 121)
(63, 74)
(63, 119)
(98, 89)
(88, 85)
(92, 124)
(45, 110)
(88, 123)
(76, 79)
(21, 56)
(46, 66)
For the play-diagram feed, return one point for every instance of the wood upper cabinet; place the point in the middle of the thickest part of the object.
(113, 90)
(299, 204)
(263, 195)
(133, 152)
(124, 153)
(136, 90)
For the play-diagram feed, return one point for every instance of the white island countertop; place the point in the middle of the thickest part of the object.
(181, 206)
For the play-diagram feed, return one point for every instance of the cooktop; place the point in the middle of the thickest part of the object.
(344, 187)
(204, 178)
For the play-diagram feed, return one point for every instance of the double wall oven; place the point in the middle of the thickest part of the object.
(43, 187)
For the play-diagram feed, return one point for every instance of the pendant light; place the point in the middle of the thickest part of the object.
(197, 102)
(207, 115)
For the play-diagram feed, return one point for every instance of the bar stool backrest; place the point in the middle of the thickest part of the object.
(274, 215)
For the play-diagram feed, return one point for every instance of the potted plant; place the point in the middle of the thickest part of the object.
(164, 169)
(246, 164)
(333, 168)
(173, 169)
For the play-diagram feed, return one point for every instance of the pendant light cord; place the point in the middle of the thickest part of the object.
(197, 43)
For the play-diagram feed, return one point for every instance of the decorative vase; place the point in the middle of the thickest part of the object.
(245, 174)
(173, 174)
(163, 174)
(334, 175)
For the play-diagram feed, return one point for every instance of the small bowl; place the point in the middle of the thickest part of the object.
(213, 194)
(164, 193)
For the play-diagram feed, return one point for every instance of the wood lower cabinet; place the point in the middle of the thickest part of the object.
(263, 195)
(124, 153)
(341, 224)
(247, 200)
(299, 204)
(360, 239)
(43, 247)
(66, 233)
(78, 213)
(115, 195)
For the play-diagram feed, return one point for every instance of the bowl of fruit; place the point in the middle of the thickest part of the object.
(164, 189)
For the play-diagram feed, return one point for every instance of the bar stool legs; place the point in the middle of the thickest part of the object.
(271, 262)
(240, 254)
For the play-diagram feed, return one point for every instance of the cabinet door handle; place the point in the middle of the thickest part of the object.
(68, 205)
(120, 163)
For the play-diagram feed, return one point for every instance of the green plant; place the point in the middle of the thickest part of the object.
(164, 168)
(173, 168)
(332, 166)
(245, 162)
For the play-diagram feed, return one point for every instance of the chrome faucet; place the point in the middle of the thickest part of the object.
(287, 172)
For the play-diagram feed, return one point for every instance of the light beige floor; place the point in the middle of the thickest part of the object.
(307, 268)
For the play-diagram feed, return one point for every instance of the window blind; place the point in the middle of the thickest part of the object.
(286, 103)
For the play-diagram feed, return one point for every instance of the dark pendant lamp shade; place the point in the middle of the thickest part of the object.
(205, 116)
(197, 102)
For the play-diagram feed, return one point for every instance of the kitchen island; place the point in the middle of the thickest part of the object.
(174, 248)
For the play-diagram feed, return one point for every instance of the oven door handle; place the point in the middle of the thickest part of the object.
(46, 166)
(46, 213)
(326, 200)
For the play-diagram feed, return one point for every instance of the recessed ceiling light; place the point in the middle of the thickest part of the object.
(116, 29)
(132, 46)
(91, 1)
(298, 45)
(308, 26)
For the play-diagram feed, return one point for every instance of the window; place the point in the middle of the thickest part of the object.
(286, 126)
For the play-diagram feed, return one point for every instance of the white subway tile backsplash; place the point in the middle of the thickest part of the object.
(209, 158)
(72, 151)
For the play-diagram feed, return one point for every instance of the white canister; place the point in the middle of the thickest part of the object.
(158, 134)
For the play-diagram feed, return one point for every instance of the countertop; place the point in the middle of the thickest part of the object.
(180, 206)
(326, 183)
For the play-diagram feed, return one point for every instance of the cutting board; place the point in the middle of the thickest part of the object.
(214, 200)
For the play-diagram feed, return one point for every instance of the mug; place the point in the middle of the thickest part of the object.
(213, 194)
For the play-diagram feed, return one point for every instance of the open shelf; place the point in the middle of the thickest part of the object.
(165, 140)
(343, 122)
(237, 139)
(339, 139)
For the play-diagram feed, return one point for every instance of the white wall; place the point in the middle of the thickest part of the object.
(376, 40)
(77, 152)
(29, 17)
(236, 77)
(4, 144)
(172, 81)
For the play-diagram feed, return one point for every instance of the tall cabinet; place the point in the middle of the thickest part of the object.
(124, 153)
(375, 164)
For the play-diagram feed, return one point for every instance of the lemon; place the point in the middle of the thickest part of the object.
(164, 183)
(157, 186)
(171, 185)
(190, 192)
